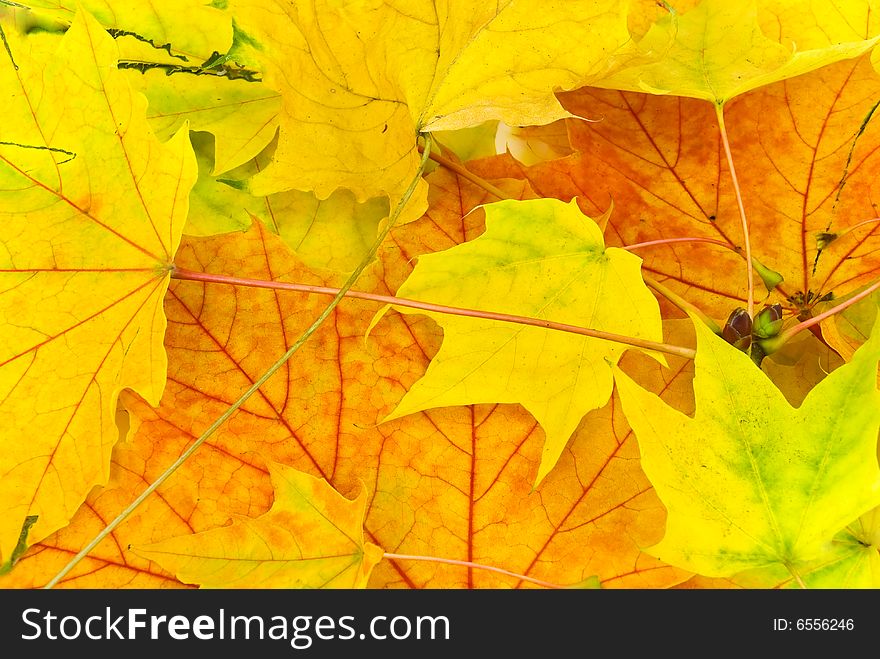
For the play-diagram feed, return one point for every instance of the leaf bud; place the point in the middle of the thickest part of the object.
(768, 322)
(738, 329)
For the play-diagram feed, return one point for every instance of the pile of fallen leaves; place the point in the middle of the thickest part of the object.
(533, 222)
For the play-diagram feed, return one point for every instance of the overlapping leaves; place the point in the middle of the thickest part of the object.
(93, 208)
(750, 481)
(348, 86)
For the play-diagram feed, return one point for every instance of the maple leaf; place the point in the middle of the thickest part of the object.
(533, 144)
(799, 366)
(805, 164)
(334, 233)
(242, 115)
(187, 28)
(92, 209)
(360, 80)
(750, 481)
(847, 330)
(312, 537)
(456, 483)
(541, 259)
(174, 59)
(717, 50)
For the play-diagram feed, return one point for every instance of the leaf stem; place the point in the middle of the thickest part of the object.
(773, 344)
(873, 220)
(667, 241)
(680, 351)
(719, 112)
(470, 564)
(797, 577)
(462, 171)
(353, 277)
(677, 300)
(680, 302)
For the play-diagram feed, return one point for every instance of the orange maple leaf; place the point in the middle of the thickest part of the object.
(804, 148)
(453, 483)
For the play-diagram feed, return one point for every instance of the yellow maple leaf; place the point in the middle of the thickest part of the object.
(718, 49)
(92, 207)
(192, 29)
(334, 233)
(456, 483)
(542, 259)
(312, 537)
(360, 80)
(749, 481)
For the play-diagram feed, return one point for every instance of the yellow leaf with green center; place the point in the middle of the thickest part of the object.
(852, 561)
(750, 481)
(542, 259)
(718, 50)
(92, 207)
(360, 80)
(856, 559)
(312, 537)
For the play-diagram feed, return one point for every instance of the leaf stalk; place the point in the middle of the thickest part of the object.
(477, 566)
(719, 112)
(773, 344)
(679, 351)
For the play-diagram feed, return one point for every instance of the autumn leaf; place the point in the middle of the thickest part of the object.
(847, 330)
(92, 209)
(155, 41)
(750, 481)
(533, 144)
(851, 561)
(718, 50)
(799, 366)
(242, 115)
(804, 168)
(335, 233)
(312, 537)
(188, 28)
(359, 81)
(541, 259)
(456, 483)
(475, 453)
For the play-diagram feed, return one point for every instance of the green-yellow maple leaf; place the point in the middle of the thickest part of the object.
(852, 561)
(750, 481)
(334, 233)
(190, 28)
(312, 537)
(718, 49)
(360, 80)
(92, 208)
(542, 259)
(242, 116)
(857, 559)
